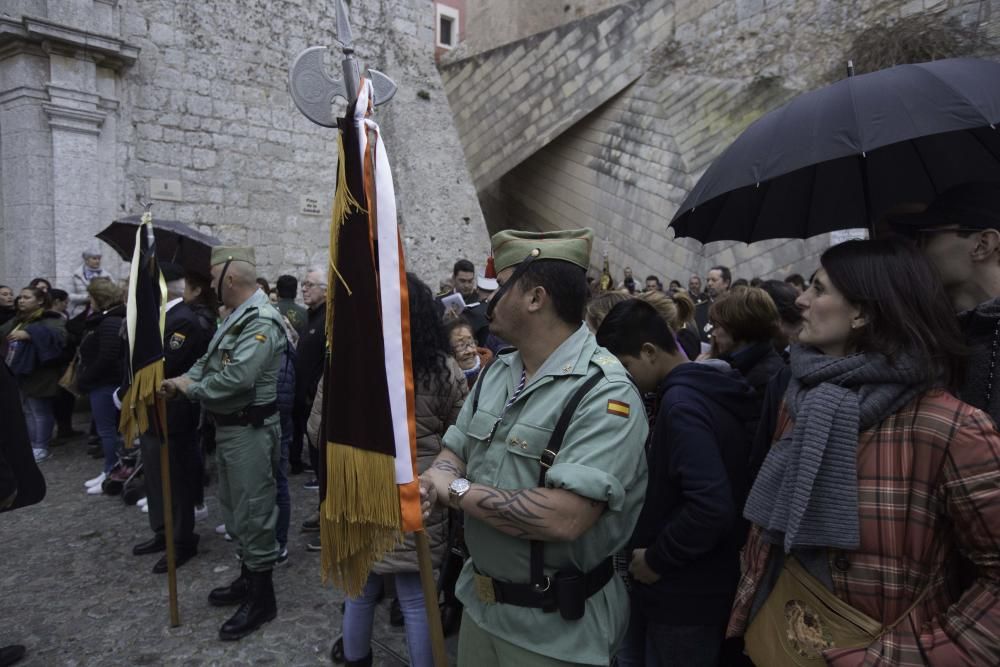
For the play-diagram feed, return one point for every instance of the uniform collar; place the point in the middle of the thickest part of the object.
(572, 357)
(256, 300)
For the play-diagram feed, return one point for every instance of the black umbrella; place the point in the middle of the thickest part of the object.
(175, 242)
(847, 154)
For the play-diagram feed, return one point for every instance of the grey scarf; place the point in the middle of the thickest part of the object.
(806, 494)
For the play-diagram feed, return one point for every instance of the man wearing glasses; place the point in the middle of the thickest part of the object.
(308, 364)
(960, 234)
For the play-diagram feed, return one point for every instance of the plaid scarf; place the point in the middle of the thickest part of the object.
(806, 494)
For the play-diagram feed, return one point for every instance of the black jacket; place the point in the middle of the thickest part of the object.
(691, 522)
(21, 482)
(310, 357)
(185, 339)
(102, 350)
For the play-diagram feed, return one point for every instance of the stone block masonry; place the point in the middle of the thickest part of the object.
(620, 153)
(197, 93)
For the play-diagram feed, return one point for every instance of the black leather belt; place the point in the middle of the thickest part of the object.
(252, 415)
(491, 590)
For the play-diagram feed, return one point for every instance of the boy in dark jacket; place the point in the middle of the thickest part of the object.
(685, 548)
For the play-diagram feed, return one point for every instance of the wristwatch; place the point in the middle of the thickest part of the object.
(458, 488)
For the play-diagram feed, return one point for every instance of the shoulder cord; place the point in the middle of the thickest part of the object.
(993, 364)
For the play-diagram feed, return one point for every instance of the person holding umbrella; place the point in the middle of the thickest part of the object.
(960, 234)
(878, 479)
(186, 335)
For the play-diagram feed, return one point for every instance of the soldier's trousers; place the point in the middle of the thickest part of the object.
(184, 480)
(478, 647)
(246, 459)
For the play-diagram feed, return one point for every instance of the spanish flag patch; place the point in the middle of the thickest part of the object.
(618, 408)
(261, 337)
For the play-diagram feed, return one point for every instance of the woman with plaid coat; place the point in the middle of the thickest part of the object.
(879, 484)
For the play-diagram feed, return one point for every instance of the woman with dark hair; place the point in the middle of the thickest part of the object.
(32, 345)
(440, 391)
(100, 369)
(471, 358)
(877, 483)
(784, 295)
(42, 284)
(7, 309)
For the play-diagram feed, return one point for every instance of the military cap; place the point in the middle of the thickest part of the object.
(223, 254)
(510, 247)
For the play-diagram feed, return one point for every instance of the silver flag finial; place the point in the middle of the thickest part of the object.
(314, 90)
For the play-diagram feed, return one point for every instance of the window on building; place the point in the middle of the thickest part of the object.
(445, 35)
(447, 26)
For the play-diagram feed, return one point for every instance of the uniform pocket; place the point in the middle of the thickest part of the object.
(481, 425)
(527, 440)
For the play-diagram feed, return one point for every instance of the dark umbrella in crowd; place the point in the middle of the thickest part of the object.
(845, 155)
(176, 242)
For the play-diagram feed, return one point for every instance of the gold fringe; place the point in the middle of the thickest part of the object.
(343, 202)
(139, 398)
(360, 517)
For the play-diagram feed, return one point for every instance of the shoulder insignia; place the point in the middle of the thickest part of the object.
(176, 341)
(605, 360)
(260, 338)
(619, 408)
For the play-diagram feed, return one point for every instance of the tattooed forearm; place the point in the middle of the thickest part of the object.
(520, 513)
(447, 466)
(533, 514)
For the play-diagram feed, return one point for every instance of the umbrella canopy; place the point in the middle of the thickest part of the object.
(175, 242)
(843, 156)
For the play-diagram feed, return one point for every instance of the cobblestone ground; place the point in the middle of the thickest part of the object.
(73, 593)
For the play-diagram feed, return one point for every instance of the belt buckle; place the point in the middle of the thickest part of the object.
(484, 589)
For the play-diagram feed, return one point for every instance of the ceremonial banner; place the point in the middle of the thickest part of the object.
(369, 488)
(145, 320)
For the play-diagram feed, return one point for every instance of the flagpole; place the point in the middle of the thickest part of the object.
(431, 599)
(159, 412)
(168, 514)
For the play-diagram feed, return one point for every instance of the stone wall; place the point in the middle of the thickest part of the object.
(625, 167)
(204, 101)
(491, 23)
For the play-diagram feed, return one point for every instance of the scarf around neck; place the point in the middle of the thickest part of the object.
(806, 494)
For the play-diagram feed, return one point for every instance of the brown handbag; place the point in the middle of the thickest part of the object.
(802, 618)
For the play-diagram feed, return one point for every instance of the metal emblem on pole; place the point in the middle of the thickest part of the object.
(314, 90)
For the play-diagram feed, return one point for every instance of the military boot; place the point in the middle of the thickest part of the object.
(363, 662)
(258, 608)
(234, 593)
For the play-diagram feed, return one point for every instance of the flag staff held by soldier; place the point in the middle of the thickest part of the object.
(546, 461)
(236, 383)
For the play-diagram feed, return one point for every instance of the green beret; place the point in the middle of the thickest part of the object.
(223, 254)
(511, 247)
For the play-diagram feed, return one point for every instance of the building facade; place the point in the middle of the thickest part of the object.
(106, 103)
(608, 117)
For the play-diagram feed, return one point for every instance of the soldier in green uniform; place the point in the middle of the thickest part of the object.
(547, 462)
(236, 384)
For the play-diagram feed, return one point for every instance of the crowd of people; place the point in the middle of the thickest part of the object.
(780, 471)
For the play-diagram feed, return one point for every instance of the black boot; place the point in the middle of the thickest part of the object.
(363, 662)
(259, 608)
(234, 593)
(11, 654)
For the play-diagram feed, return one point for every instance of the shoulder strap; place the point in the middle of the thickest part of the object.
(548, 457)
(479, 385)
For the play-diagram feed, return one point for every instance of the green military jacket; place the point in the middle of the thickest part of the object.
(296, 315)
(602, 458)
(241, 365)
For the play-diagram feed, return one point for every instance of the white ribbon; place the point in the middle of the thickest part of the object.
(389, 262)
